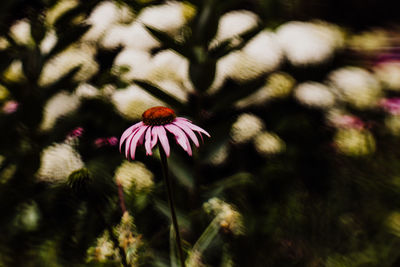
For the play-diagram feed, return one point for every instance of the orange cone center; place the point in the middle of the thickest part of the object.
(158, 116)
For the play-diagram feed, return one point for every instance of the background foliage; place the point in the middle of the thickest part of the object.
(292, 176)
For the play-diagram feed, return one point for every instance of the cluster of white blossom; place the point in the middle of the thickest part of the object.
(58, 161)
(228, 217)
(57, 106)
(245, 128)
(134, 174)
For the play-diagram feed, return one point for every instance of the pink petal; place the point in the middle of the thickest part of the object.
(137, 136)
(153, 137)
(182, 119)
(162, 136)
(180, 136)
(128, 144)
(147, 144)
(188, 131)
(127, 132)
(192, 126)
(189, 150)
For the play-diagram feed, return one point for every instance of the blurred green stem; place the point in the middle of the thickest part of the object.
(121, 198)
(164, 165)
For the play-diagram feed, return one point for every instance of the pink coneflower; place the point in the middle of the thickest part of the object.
(154, 126)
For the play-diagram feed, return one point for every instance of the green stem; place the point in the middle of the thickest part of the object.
(164, 165)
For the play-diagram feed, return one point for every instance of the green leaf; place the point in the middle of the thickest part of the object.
(67, 38)
(209, 234)
(172, 248)
(202, 74)
(168, 41)
(232, 92)
(162, 206)
(64, 82)
(160, 94)
(226, 47)
(239, 179)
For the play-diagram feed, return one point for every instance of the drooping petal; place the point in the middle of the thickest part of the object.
(162, 136)
(153, 137)
(147, 142)
(138, 135)
(127, 132)
(192, 126)
(180, 136)
(189, 148)
(188, 132)
(127, 144)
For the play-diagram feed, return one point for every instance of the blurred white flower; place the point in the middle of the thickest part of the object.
(86, 90)
(137, 61)
(132, 101)
(267, 143)
(389, 74)
(169, 71)
(229, 218)
(64, 62)
(354, 142)
(102, 17)
(261, 54)
(57, 162)
(309, 43)
(277, 85)
(59, 9)
(168, 65)
(169, 17)
(116, 36)
(20, 31)
(234, 23)
(246, 127)
(48, 42)
(220, 155)
(135, 174)
(133, 36)
(314, 94)
(356, 86)
(59, 105)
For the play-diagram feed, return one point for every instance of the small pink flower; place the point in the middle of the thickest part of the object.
(349, 121)
(156, 122)
(109, 141)
(77, 132)
(112, 141)
(10, 106)
(391, 105)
